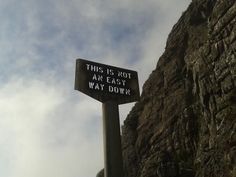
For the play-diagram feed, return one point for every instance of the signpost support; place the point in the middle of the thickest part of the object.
(111, 86)
(112, 140)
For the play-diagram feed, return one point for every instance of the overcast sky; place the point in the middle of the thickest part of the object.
(46, 128)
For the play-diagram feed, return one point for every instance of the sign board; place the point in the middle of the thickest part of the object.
(105, 83)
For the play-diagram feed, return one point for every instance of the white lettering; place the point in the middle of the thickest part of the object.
(116, 90)
(102, 86)
(96, 86)
(94, 68)
(115, 81)
(94, 77)
(91, 84)
(108, 80)
(124, 74)
(123, 82)
(122, 90)
(127, 91)
(97, 77)
(119, 90)
(110, 72)
(110, 88)
(88, 66)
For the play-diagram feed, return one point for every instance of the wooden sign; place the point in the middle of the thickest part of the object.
(106, 83)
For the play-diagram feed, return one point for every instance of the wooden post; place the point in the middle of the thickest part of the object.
(112, 140)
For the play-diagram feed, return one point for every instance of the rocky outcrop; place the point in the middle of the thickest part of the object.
(185, 123)
(100, 173)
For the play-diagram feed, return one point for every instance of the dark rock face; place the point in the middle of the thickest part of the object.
(100, 173)
(185, 123)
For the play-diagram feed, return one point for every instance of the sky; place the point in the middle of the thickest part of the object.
(47, 129)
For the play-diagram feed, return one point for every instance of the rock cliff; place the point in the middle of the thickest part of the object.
(185, 122)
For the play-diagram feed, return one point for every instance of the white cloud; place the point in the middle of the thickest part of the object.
(34, 137)
(24, 107)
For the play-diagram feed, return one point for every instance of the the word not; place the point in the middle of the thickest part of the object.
(124, 75)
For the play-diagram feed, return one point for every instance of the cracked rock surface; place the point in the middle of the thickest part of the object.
(185, 123)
